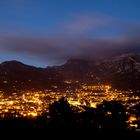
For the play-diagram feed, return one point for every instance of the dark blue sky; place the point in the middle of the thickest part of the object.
(48, 32)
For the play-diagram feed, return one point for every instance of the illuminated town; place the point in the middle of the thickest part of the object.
(33, 104)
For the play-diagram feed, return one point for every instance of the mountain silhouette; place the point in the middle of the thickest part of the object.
(122, 72)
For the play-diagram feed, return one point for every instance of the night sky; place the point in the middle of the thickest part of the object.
(48, 32)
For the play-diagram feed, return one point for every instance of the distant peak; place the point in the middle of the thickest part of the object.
(15, 63)
(12, 62)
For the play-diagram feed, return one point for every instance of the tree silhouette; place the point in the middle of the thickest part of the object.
(61, 114)
(89, 118)
(112, 115)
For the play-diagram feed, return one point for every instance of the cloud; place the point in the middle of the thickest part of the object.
(83, 24)
(53, 50)
(58, 50)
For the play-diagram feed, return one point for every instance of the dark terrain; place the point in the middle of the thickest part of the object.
(122, 72)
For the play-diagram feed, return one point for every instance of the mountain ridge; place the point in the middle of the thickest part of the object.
(122, 72)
